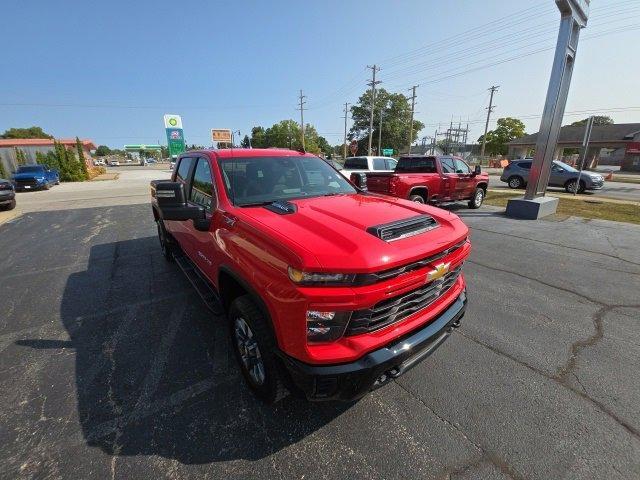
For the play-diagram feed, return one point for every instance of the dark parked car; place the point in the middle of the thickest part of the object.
(35, 177)
(516, 175)
(7, 195)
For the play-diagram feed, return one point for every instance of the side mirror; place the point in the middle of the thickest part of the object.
(477, 170)
(359, 180)
(173, 205)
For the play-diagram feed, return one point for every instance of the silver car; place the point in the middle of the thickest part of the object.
(516, 175)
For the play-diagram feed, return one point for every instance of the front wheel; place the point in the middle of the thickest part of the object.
(477, 199)
(9, 206)
(254, 346)
(167, 252)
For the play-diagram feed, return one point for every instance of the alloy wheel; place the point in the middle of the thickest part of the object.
(249, 351)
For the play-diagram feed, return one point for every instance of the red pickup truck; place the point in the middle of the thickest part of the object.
(432, 179)
(329, 290)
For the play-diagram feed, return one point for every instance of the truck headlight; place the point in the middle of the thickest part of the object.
(326, 326)
(328, 279)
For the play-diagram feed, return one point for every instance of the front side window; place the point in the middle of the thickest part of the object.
(183, 169)
(262, 180)
(461, 167)
(525, 165)
(356, 163)
(391, 163)
(202, 185)
(447, 165)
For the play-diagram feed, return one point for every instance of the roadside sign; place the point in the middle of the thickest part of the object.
(175, 134)
(353, 147)
(221, 135)
(387, 152)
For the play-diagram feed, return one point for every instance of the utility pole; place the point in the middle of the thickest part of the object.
(486, 125)
(344, 145)
(380, 133)
(413, 106)
(302, 102)
(372, 84)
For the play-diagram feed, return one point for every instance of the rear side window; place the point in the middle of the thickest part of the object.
(447, 165)
(183, 169)
(202, 185)
(356, 163)
(379, 164)
(525, 165)
(417, 165)
(391, 163)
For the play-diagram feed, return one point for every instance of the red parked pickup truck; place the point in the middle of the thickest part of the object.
(432, 179)
(329, 290)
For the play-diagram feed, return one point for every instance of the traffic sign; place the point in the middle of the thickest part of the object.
(387, 152)
(353, 147)
(221, 135)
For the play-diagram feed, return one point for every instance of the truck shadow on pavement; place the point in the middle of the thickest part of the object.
(155, 373)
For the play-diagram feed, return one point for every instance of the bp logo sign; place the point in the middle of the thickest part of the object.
(173, 122)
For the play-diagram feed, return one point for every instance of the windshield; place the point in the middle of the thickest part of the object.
(35, 169)
(568, 168)
(262, 180)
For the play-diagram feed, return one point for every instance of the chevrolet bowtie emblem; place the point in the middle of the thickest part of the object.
(439, 272)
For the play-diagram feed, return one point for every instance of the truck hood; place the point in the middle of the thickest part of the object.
(330, 233)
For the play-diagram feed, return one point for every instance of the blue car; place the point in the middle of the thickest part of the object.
(35, 177)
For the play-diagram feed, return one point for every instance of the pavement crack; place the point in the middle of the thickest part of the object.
(599, 405)
(485, 454)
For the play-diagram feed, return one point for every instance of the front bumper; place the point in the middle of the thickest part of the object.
(349, 381)
(6, 196)
(595, 185)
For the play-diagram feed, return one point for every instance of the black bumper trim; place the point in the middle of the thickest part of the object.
(349, 381)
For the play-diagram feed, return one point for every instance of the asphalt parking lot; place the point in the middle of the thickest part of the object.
(111, 367)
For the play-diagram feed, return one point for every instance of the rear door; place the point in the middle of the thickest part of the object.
(449, 179)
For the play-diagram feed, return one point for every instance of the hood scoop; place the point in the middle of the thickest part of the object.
(400, 229)
(282, 207)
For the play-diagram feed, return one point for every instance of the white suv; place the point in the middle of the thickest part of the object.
(368, 164)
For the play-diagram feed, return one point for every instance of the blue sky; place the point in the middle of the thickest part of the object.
(109, 70)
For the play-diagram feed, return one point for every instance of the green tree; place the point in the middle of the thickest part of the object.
(597, 120)
(21, 158)
(258, 137)
(396, 119)
(103, 151)
(246, 143)
(507, 129)
(81, 159)
(3, 172)
(31, 132)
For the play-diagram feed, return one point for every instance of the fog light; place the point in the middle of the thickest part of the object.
(326, 326)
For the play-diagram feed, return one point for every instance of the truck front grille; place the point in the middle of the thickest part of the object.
(395, 309)
(31, 182)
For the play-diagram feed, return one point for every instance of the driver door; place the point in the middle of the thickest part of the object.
(465, 184)
(450, 179)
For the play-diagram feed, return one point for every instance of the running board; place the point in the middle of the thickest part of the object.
(200, 283)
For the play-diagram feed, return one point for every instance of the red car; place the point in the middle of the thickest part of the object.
(329, 291)
(432, 179)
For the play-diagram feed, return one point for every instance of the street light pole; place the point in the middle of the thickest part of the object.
(574, 15)
(344, 145)
(380, 133)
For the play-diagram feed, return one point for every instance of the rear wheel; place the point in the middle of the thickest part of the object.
(477, 199)
(417, 198)
(572, 185)
(254, 346)
(515, 182)
(165, 245)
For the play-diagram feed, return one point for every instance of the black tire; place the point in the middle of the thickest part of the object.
(272, 388)
(570, 186)
(417, 198)
(477, 199)
(9, 206)
(515, 182)
(165, 243)
(46, 186)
